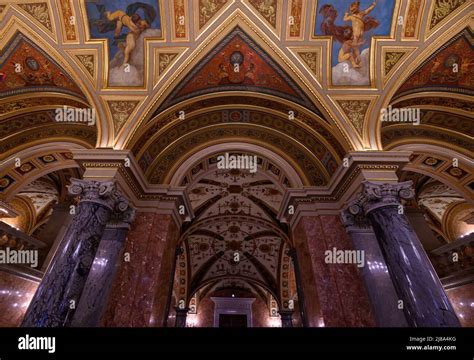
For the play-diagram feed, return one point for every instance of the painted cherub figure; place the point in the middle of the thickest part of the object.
(118, 19)
(136, 26)
(359, 24)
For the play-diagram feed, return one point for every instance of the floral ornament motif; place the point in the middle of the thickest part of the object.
(40, 12)
(164, 60)
(121, 111)
(88, 62)
(391, 59)
(310, 58)
(442, 8)
(355, 110)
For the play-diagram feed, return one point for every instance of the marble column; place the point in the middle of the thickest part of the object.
(98, 286)
(424, 301)
(60, 290)
(54, 230)
(181, 315)
(294, 257)
(140, 288)
(286, 318)
(382, 294)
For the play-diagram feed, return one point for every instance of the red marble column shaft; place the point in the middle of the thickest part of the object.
(141, 286)
(343, 299)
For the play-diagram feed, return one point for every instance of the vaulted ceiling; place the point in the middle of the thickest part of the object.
(196, 73)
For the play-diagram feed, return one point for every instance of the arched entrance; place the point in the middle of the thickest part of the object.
(234, 266)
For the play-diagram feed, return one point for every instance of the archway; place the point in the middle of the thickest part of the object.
(235, 249)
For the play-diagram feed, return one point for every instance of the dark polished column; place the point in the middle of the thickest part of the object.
(99, 282)
(424, 301)
(59, 292)
(286, 318)
(181, 315)
(299, 289)
(377, 280)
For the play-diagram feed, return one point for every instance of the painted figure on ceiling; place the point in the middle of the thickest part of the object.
(352, 36)
(130, 19)
(125, 24)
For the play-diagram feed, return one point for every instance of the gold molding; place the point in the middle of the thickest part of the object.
(174, 18)
(405, 52)
(50, 30)
(278, 17)
(125, 109)
(60, 6)
(419, 20)
(14, 25)
(85, 68)
(344, 104)
(198, 32)
(402, 74)
(315, 69)
(429, 32)
(239, 18)
(301, 36)
(179, 53)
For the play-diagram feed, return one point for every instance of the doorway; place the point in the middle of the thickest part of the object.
(232, 321)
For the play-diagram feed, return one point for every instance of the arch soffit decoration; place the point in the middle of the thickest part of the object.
(16, 24)
(462, 20)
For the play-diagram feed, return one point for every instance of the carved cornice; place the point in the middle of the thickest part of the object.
(101, 164)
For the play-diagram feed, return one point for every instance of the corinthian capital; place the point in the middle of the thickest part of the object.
(374, 196)
(101, 192)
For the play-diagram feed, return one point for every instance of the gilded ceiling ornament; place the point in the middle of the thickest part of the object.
(164, 60)
(442, 8)
(310, 58)
(40, 12)
(179, 19)
(207, 9)
(68, 23)
(121, 111)
(355, 111)
(296, 21)
(268, 9)
(412, 17)
(391, 59)
(88, 62)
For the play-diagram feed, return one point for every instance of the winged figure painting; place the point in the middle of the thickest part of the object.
(350, 36)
